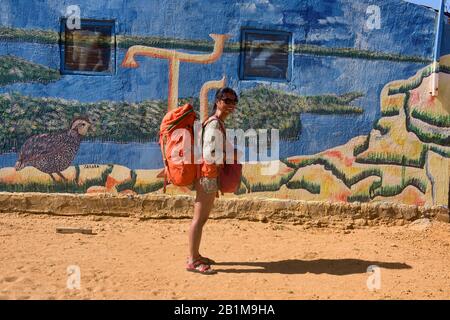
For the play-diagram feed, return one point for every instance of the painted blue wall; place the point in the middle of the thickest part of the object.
(406, 29)
(445, 40)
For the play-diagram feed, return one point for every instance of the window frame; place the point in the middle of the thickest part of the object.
(113, 56)
(244, 32)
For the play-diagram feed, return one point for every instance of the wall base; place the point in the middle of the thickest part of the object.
(181, 207)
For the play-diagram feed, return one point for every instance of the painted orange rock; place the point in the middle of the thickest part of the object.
(415, 97)
(97, 189)
(119, 175)
(8, 175)
(128, 192)
(338, 154)
(111, 183)
(342, 197)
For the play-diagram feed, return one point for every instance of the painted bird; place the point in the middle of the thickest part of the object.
(53, 152)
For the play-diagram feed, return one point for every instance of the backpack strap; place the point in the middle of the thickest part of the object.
(221, 125)
(212, 118)
(166, 164)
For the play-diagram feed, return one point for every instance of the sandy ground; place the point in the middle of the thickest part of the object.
(132, 259)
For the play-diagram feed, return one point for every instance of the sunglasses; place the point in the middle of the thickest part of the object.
(230, 101)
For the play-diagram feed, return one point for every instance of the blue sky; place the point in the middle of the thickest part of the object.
(430, 3)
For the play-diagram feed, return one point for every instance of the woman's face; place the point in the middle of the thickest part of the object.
(227, 104)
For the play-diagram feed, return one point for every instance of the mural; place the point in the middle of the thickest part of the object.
(356, 124)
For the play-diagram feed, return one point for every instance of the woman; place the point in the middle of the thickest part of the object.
(207, 186)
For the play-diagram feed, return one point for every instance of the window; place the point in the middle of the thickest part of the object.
(89, 50)
(265, 55)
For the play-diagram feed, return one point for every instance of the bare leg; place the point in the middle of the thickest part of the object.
(204, 203)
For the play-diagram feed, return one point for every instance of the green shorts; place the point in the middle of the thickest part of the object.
(209, 185)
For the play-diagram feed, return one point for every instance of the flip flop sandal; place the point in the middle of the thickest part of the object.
(199, 266)
(205, 260)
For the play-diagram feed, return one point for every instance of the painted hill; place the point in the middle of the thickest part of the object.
(405, 157)
(14, 69)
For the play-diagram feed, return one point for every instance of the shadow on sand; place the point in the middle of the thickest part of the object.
(337, 267)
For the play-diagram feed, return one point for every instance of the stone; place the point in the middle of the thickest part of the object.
(349, 226)
(360, 222)
(443, 217)
(420, 224)
(97, 189)
(100, 202)
(128, 192)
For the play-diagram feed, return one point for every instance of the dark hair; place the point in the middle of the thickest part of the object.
(220, 94)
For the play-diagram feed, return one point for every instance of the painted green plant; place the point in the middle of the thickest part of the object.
(266, 108)
(25, 116)
(147, 188)
(312, 187)
(360, 197)
(394, 159)
(435, 120)
(405, 87)
(14, 70)
(390, 111)
(393, 190)
(426, 137)
(126, 41)
(275, 186)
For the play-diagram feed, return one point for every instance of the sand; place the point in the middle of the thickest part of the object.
(132, 259)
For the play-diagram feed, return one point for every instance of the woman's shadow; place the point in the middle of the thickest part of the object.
(331, 266)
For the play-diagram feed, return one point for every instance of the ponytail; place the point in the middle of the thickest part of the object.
(214, 109)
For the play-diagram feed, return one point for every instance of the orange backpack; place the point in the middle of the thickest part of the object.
(178, 172)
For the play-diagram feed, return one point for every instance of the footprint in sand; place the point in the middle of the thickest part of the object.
(171, 284)
(26, 281)
(155, 292)
(10, 279)
(310, 255)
